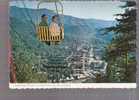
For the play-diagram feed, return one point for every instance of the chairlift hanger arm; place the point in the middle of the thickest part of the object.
(48, 1)
(52, 1)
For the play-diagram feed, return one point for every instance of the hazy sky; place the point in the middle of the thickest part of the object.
(83, 9)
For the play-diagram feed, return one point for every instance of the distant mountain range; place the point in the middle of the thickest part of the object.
(73, 25)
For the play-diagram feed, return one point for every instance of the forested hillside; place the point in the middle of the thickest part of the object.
(31, 55)
(121, 52)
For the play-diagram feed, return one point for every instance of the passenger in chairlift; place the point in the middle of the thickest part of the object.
(44, 20)
(54, 28)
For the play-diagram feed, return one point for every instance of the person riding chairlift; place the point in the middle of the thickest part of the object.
(44, 22)
(54, 28)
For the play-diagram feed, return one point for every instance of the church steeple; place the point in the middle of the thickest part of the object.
(91, 53)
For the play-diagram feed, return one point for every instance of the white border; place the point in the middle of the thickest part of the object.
(70, 85)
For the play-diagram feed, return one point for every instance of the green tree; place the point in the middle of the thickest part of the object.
(120, 53)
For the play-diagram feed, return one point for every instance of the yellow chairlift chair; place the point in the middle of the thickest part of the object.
(43, 31)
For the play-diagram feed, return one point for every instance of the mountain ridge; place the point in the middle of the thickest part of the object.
(75, 28)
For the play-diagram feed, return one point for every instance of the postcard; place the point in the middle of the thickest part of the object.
(72, 44)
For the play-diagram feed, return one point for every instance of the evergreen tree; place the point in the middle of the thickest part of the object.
(120, 53)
